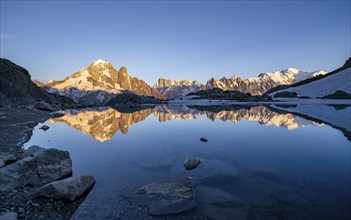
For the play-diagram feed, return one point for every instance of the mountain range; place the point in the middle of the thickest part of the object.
(100, 81)
(254, 85)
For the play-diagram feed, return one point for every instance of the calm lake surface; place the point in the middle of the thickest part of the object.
(280, 166)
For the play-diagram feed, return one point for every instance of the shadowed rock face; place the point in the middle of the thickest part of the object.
(99, 82)
(16, 87)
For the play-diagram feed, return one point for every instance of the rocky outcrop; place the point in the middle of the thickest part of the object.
(131, 98)
(17, 89)
(42, 167)
(167, 197)
(98, 83)
(68, 189)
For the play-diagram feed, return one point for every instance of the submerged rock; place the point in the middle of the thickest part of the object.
(218, 204)
(216, 170)
(68, 189)
(191, 163)
(44, 127)
(8, 216)
(203, 139)
(40, 168)
(167, 197)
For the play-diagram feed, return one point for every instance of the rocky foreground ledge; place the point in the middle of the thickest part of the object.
(35, 183)
(40, 180)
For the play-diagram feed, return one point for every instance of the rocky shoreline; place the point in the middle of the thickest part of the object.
(27, 176)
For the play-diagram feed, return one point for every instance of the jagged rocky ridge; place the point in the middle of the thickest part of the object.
(254, 85)
(176, 88)
(99, 82)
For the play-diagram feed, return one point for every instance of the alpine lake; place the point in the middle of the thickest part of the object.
(258, 162)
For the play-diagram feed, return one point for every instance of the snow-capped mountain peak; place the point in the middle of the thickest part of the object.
(100, 62)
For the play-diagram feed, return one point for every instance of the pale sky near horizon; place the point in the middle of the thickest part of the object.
(175, 39)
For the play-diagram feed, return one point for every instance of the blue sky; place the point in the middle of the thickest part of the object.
(175, 39)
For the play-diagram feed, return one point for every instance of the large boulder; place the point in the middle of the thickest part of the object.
(36, 170)
(68, 189)
(167, 197)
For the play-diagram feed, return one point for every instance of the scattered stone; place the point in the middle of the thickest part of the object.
(43, 167)
(44, 127)
(167, 197)
(191, 163)
(68, 189)
(2, 163)
(203, 139)
(8, 216)
(44, 106)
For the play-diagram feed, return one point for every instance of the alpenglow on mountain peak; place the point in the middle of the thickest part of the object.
(98, 83)
(100, 62)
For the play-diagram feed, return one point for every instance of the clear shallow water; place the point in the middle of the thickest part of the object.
(280, 165)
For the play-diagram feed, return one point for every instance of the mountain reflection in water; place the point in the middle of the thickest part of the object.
(103, 123)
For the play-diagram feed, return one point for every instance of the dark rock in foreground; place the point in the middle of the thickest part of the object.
(191, 163)
(203, 139)
(36, 170)
(167, 197)
(17, 88)
(68, 189)
(44, 127)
